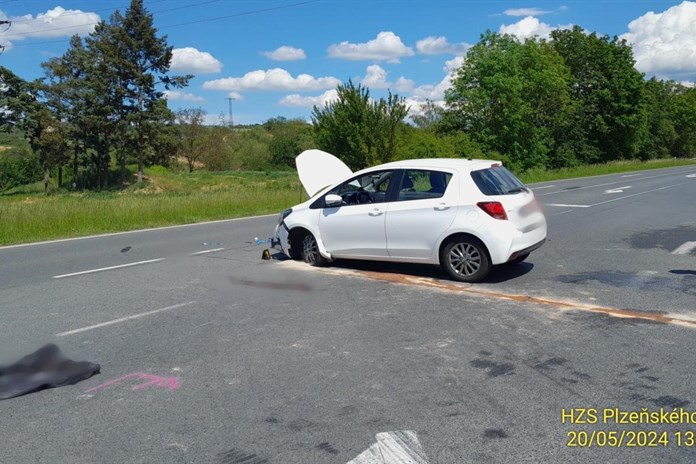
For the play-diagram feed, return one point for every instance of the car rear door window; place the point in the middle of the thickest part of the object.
(497, 180)
(419, 184)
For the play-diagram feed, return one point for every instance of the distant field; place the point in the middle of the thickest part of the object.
(27, 215)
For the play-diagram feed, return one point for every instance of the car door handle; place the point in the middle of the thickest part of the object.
(441, 207)
(376, 212)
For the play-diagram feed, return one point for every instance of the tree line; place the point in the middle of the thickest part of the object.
(575, 98)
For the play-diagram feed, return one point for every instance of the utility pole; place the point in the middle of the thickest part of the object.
(229, 121)
(9, 24)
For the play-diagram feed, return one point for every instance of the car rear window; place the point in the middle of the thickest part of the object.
(497, 181)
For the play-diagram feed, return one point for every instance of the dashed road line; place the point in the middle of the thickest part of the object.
(206, 251)
(123, 319)
(110, 268)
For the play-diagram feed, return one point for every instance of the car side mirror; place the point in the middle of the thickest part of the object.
(333, 200)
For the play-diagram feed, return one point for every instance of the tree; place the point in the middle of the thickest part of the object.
(429, 116)
(511, 97)
(609, 118)
(141, 60)
(290, 138)
(16, 98)
(190, 127)
(356, 129)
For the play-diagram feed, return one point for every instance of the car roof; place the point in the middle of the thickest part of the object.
(451, 163)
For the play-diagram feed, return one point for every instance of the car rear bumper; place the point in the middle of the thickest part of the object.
(526, 251)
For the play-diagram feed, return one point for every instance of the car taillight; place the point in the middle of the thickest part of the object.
(494, 209)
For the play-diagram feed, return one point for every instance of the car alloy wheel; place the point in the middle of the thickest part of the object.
(310, 251)
(465, 259)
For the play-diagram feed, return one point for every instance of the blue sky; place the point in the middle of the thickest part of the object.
(278, 58)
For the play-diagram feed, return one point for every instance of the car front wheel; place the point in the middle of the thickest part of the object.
(310, 251)
(465, 259)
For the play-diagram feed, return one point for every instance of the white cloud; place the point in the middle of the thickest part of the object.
(386, 46)
(182, 96)
(403, 84)
(189, 59)
(376, 77)
(57, 22)
(530, 27)
(273, 79)
(309, 102)
(285, 53)
(235, 96)
(451, 66)
(439, 45)
(436, 92)
(525, 12)
(665, 43)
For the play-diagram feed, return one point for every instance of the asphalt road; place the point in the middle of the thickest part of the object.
(241, 360)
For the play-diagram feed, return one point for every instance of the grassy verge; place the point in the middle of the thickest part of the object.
(543, 175)
(167, 199)
(27, 215)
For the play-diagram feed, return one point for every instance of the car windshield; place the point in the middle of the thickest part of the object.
(497, 180)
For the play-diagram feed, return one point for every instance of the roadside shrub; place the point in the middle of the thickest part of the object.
(18, 167)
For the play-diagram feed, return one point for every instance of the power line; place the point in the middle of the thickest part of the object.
(42, 31)
(246, 13)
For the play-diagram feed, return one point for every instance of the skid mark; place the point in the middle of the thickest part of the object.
(468, 289)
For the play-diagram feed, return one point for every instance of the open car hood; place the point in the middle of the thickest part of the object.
(318, 169)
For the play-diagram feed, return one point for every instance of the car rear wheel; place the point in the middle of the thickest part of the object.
(310, 251)
(465, 259)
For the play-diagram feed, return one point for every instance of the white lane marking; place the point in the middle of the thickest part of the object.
(631, 175)
(120, 266)
(688, 167)
(607, 183)
(640, 193)
(398, 447)
(618, 189)
(684, 248)
(123, 319)
(206, 251)
(691, 175)
(544, 187)
(112, 234)
(567, 206)
(562, 212)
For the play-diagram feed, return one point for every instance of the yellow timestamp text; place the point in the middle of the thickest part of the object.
(630, 438)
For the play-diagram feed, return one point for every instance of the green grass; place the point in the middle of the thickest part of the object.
(543, 175)
(166, 198)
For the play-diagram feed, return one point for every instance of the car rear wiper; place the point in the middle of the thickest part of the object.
(517, 190)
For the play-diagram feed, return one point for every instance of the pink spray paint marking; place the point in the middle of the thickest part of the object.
(169, 383)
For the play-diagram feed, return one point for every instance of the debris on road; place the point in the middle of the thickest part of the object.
(45, 368)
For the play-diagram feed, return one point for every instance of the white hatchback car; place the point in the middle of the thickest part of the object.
(465, 215)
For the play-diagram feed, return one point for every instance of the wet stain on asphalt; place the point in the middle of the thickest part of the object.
(550, 363)
(494, 369)
(235, 456)
(297, 286)
(666, 239)
(327, 448)
(494, 433)
(125, 249)
(670, 402)
(685, 284)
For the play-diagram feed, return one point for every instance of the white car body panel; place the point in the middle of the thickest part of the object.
(318, 169)
(357, 231)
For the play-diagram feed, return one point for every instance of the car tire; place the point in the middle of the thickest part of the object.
(465, 258)
(518, 260)
(310, 251)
